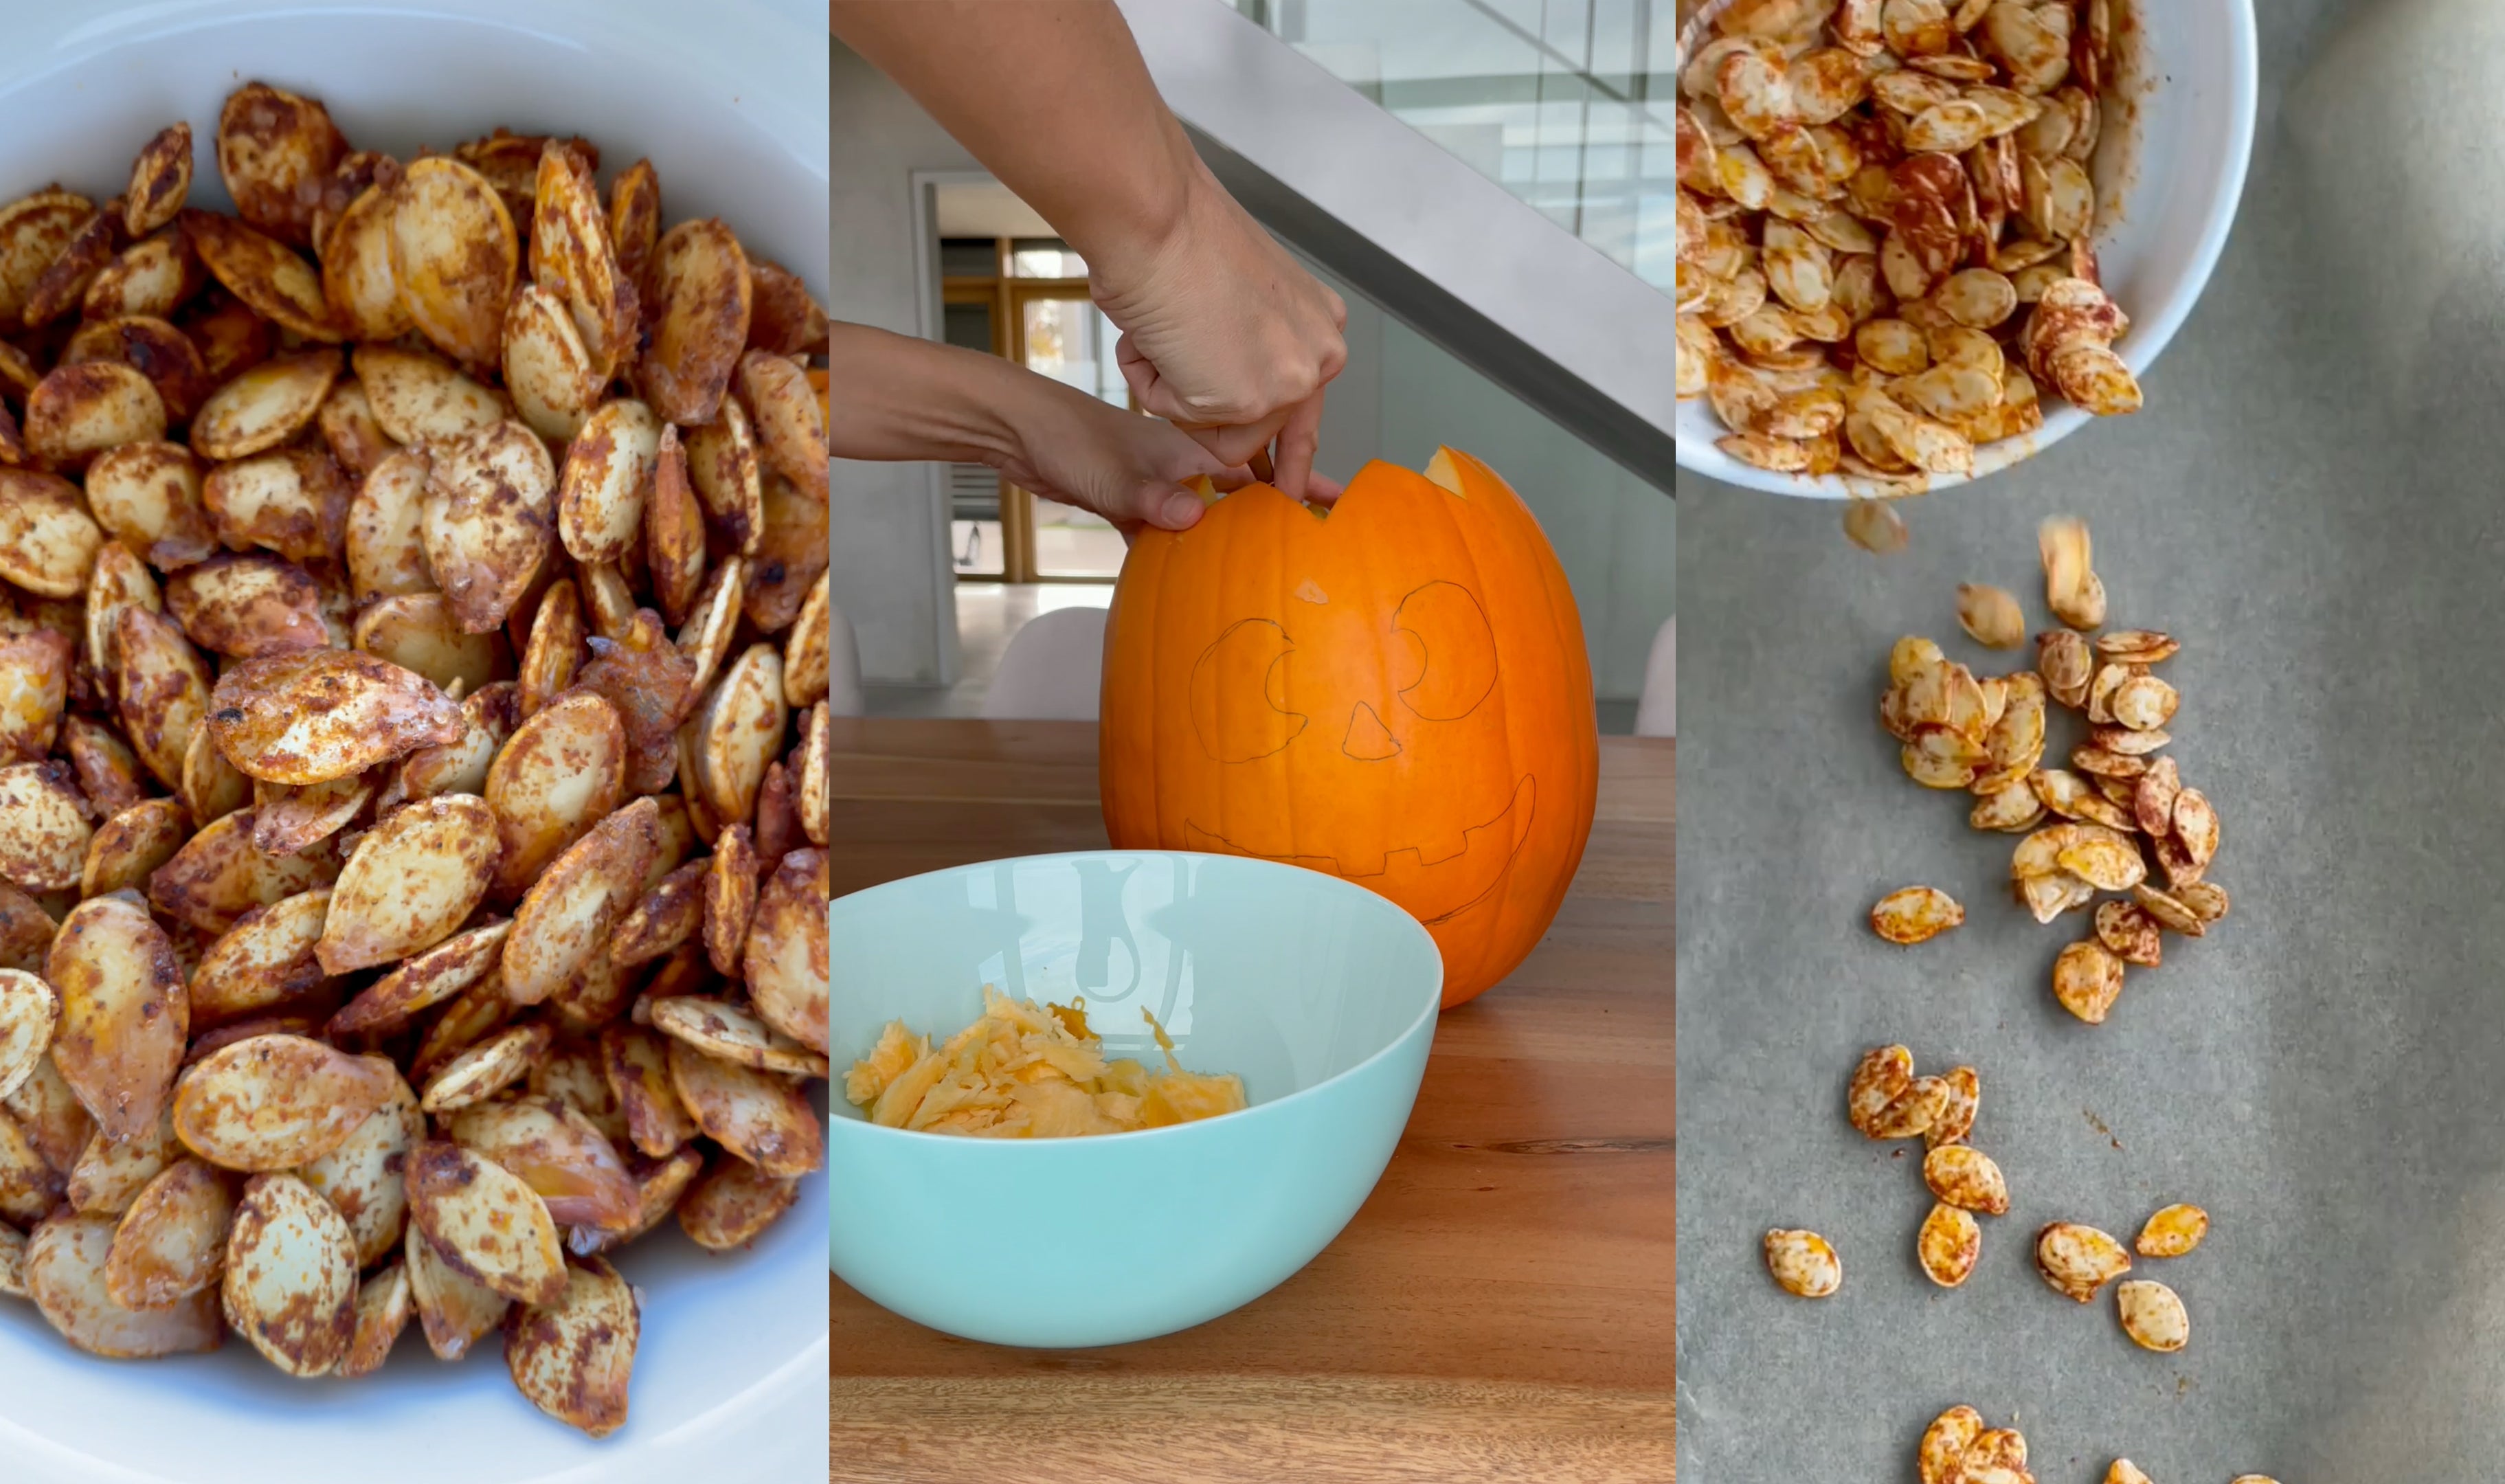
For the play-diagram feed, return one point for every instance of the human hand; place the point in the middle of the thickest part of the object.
(1225, 336)
(1133, 471)
(896, 397)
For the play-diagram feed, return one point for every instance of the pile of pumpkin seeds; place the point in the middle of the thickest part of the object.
(2092, 828)
(1885, 223)
(414, 767)
(2120, 804)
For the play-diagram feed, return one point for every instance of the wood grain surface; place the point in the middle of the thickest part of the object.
(1499, 1309)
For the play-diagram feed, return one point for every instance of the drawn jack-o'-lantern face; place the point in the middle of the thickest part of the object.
(1396, 694)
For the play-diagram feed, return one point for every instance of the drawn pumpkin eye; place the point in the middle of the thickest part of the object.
(1456, 652)
(1239, 695)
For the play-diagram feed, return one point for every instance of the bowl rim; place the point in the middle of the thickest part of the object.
(841, 1113)
(2139, 351)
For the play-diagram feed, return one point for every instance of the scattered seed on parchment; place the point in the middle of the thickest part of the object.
(1804, 1263)
(1948, 1245)
(2129, 932)
(2087, 979)
(2078, 1260)
(2172, 1232)
(2152, 1315)
(1915, 914)
(1965, 1177)
(1955, 1119)
(1991, 617)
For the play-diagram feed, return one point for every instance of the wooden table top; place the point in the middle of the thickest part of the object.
(1501, 1307)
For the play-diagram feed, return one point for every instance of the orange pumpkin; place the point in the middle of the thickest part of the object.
(1397, 693)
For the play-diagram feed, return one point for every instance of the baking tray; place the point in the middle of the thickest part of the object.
(2310, 503)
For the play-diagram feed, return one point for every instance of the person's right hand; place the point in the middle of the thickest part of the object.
(1226, 337)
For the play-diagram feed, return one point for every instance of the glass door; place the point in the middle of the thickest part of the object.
(1026, 299)
(1062, 335)
(970, 319)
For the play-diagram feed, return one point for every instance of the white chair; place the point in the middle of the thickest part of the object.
(843, 665)
(1051, 670)
(1657, 710)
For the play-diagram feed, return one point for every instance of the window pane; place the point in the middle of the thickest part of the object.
(967, 326)
(1558, 101)
(1071, 342)
(969, 257)
(974, 519)
(1072, 543)
(1044, 257)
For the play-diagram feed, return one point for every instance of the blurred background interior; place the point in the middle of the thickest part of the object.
(1565, 103)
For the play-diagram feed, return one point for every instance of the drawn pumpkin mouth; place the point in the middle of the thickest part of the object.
(1434, 890)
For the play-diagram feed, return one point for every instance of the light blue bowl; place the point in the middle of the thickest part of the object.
(1321, 995)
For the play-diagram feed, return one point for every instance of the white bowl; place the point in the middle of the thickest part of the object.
(730, 101)
(2170, 170)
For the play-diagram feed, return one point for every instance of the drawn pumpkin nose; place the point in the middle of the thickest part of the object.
(1369, 739)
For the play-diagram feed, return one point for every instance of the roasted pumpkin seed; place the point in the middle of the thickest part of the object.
(64, 1274)
(275, 1102)
(454, 254)
(1948, 1245)
(484, 1222)
(2172, 1232)
(1914, 914)
(291, 1276)
(2152, 1315)
(2078, 1260)
(571, 1356)
(732, 1203)
(1803, 1263)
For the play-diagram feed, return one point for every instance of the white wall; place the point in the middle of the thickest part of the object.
(890, 554)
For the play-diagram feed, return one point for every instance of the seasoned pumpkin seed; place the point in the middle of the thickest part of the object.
(574, 906)
(571, 1356)
(266, 407)
(311, 715)
(2152, 1315)
(1948, 1245)
(291, 1276)
(2172, 1232)
(700, 287)
(1804, 1263)
(362, 1176)
(2078, 1260)
(484, 1222)
(732, 1203)
(488, 520)
(64, 1274)
(454, 254)
(384, 1304)
(422, 980)
(483, 1070)
(758, 1116)
(172, 1242)
(1914, 914)
(275, 1102)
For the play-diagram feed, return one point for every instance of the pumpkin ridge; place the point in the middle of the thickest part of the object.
(1435, 639)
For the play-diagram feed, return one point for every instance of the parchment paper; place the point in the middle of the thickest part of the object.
(2312, 502)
